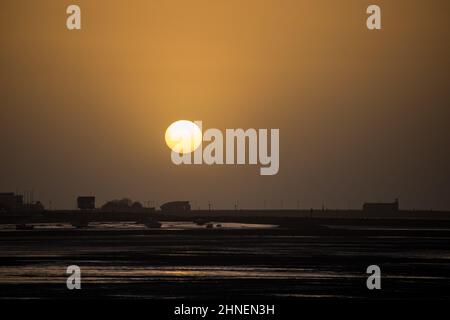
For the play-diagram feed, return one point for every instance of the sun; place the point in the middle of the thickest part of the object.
(183, 136)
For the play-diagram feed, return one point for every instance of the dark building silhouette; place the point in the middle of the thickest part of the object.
(380, 207)
(86, 203)
(176, 206)
(9, 201)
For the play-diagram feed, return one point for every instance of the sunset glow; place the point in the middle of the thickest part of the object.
(183, 136)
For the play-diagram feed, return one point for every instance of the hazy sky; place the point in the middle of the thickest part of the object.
(363, 115)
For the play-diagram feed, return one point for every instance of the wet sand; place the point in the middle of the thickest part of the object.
(271, 264)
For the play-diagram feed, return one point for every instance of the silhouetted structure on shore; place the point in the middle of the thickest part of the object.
(11, 202)
(123, 205)
(380, 207)
(86, 203)
(176, 206)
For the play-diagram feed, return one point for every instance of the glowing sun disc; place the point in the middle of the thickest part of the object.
(183, 136)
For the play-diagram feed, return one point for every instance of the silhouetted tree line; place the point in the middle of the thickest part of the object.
(121, 204)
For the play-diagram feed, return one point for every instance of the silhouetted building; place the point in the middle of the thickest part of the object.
(381, 207)
(9, 201)
(86, 203)
(176, 206)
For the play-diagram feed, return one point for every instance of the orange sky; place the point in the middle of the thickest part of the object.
(363, 115)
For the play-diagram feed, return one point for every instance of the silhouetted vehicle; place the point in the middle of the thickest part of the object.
(176, 206)
(37, 206)
(379, 207)
(210, 226)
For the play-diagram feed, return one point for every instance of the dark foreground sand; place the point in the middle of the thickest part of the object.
(267, 264)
